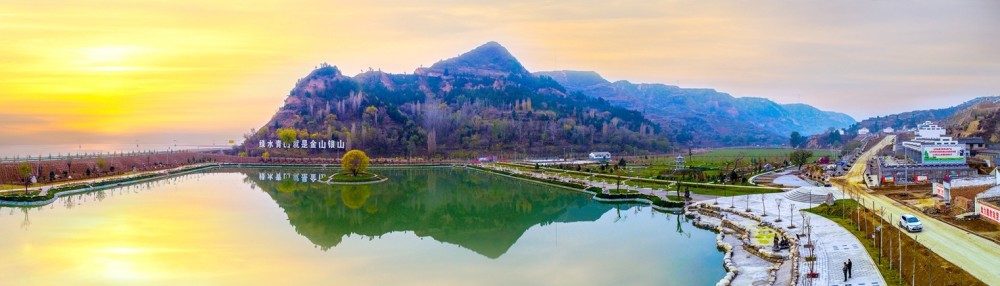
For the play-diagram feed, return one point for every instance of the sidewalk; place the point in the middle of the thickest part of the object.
(834, 244)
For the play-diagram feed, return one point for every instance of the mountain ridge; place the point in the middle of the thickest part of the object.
(481, 103)
(912, 118)
(705, 115)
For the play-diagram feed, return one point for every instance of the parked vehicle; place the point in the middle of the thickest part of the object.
(910, 223)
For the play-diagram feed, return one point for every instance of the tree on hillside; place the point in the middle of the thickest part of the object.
(355, 161)
(800, 157)
(834, 137)
(25, 171)
(287, 135)
(266, 156)
(795, 139)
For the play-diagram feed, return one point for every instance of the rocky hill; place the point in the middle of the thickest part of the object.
(480, 103)
(910, 119)
(706, 116)
(979, 120)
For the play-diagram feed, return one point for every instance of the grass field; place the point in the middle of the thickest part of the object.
(714, 190)
(715, 159)
(718, 157)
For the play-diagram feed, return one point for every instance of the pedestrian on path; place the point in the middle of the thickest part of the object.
(850, 265)
(845, 271)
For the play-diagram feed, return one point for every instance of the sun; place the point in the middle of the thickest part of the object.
(108, 58)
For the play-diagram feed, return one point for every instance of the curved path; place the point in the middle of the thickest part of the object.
(974, 254)
(834, 244)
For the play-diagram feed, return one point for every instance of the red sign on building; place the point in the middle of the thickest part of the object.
(989, 212)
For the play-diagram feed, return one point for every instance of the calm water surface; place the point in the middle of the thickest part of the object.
(435, 226)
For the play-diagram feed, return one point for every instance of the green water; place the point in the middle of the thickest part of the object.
(430, 226)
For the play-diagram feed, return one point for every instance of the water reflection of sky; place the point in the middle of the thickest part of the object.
(217, 229)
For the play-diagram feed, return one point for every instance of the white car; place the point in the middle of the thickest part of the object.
(910, 223)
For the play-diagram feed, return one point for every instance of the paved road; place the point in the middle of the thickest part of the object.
(976, 255)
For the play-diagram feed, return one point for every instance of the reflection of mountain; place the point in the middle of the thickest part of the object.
(483, 213)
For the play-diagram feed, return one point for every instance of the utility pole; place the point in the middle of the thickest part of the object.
(881, 231)
(890, 248)
(913, 273)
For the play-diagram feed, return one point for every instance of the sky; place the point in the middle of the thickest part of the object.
(203, 72)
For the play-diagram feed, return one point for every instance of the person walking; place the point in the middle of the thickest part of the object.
(845, 271)
(850, 265)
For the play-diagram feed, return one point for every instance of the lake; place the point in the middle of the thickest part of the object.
(424, 226)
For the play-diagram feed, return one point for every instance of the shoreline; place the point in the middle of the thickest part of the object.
(188, 169)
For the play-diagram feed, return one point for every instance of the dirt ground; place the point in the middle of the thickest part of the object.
(920, 200)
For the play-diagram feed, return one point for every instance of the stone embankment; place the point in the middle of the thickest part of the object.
(747, 240)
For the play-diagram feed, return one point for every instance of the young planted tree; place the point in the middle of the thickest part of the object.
(618, 178)
(25, 171)
(355, 161)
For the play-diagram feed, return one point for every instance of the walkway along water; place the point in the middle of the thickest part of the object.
(741, 220)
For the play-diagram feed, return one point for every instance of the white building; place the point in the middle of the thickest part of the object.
(863, 131)
(600, 156)
(888, 130)
(932, 146)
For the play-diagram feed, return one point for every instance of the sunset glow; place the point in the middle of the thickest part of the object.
(120, 71)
